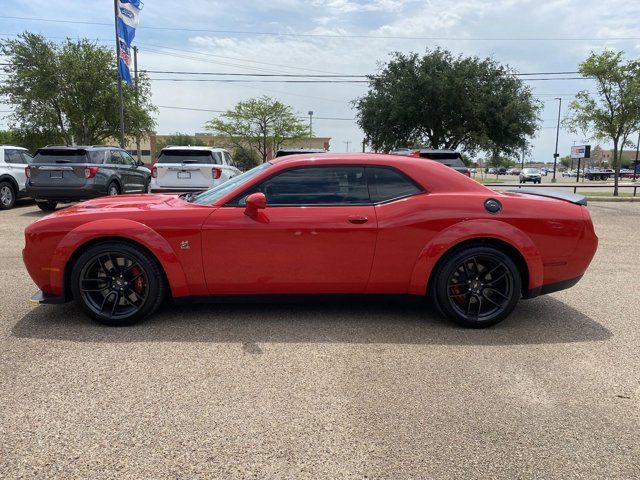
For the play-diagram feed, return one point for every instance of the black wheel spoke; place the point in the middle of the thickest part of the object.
(499, 293)
(499, 277)
(95, 287)
(475, 263)
(461, 294)
(489, 299)
(116, 302)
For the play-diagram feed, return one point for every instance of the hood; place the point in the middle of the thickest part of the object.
(121, 203)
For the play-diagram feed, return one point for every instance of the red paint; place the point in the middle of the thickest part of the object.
(261, 249)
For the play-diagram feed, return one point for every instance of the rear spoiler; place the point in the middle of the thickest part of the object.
(557, 194)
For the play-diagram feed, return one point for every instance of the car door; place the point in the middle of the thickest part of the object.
(16, 163)
(316, 235)
(137, 178)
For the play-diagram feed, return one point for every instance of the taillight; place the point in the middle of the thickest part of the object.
(154, 172)
(90, 172)
(27, 172)
(215, 173)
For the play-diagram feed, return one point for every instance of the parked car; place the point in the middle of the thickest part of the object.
(191, 169)
(492, 171)
(450, 158)
(502, 171)
(283, 152)
(513, 171)
(570, 173)
(530, 175)
(62, 174)
(12, 176)
(303, 224)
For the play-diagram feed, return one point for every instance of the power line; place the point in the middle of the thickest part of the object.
(223, 111)
(322, 35)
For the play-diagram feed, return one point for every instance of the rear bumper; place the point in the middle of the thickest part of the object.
(176, 190)
(64, 193)
(551, 287)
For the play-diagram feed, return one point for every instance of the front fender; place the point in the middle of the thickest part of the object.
(127, 230)
(468, 230)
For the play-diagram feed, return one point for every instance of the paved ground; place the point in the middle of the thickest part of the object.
(327, 390)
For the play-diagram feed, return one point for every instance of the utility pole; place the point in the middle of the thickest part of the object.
(364, 142)
(347, 144)
(310, 126)
(115, 21)
(555, 155)
(523, 148)
(135, 76)
(635, 164)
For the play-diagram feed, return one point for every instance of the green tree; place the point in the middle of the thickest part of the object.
(68, 91)
(441, 101)
(566, 161)
(613, 113)
(262, 124)
(246, 158)
(178, 139)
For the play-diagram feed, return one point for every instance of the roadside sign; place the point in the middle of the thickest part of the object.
(581, 151)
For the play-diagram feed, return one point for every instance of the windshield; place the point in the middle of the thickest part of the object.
(531, 171)
(206, 157)
(215, 193)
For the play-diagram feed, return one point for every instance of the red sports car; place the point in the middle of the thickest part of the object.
(316, 224)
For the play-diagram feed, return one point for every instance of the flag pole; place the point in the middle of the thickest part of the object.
(115, 12)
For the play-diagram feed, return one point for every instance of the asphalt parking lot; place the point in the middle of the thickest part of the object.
(327, 390)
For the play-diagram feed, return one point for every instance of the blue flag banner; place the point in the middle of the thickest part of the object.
(128, 17)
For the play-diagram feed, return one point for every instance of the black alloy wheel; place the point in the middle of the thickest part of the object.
(477, 287)
(47, 206)
(117, 283)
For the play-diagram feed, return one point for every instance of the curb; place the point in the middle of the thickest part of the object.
(613, 199)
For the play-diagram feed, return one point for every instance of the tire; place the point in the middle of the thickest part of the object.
(117, 283)
(7, 196)
(47, 206)
(113, 189)
(469, 299)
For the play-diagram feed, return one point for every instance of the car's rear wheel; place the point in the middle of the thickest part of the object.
(477, 287)
(113, 189)
(47, 206)
(117, 283)
(7, 196)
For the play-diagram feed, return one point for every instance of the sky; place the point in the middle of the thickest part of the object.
(345, 37)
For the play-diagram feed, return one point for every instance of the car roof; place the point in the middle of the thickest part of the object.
(12, 146)
(194, 147)
(79, 147)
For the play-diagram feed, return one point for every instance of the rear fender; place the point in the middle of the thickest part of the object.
(127, 230)
(469, 230)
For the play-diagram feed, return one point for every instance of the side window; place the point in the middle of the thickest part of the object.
(389, 184)
(316, 186)
(128, 159)
(26, 157)
(115, 158)
(217, 158)
(13, 156)
(229, 160)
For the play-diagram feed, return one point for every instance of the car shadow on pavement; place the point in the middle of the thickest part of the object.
(539, 321)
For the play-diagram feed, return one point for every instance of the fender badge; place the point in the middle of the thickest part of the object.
(184, 245)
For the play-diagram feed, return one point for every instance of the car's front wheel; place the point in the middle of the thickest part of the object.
(477, 287)
(117, 283)
(47, 206)
(7, 196)
(113, 190)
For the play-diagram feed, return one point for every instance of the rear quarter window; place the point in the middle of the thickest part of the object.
(386, 184)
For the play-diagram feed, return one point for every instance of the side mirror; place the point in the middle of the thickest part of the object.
(139, 163)
(254, 202)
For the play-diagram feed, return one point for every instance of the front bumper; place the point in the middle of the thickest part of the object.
(45, 298)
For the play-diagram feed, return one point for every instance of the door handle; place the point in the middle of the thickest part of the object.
(358, 219)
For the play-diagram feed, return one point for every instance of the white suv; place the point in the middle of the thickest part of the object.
(13, 161)
(191, 169)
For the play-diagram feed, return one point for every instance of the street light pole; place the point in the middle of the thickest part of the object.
(347, 143)
(555, 155)
(310, 127)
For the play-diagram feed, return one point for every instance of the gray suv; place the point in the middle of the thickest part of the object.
(68, 174)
